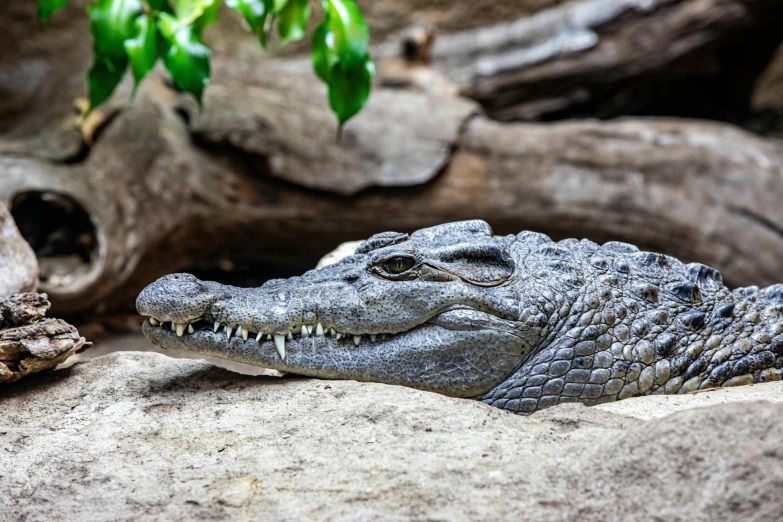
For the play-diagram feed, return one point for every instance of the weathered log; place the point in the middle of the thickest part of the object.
(258, 175)
(157, 203)
(29, 342)
(18, 266)
(604, 58)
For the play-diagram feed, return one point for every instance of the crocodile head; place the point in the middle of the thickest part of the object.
(438, 310)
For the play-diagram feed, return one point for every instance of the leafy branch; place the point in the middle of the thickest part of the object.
(136, 33)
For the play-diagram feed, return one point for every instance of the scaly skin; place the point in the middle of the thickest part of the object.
(520, 323)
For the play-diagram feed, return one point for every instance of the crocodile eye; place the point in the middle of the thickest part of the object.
(398, 265)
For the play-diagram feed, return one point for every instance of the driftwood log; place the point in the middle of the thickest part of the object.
(249, 180)
(606, 58)
(138, 191)
(30, 342)
(18, 266)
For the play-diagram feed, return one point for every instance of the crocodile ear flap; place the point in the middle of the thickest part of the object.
(483, 264)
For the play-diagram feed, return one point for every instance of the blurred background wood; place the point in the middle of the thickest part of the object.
(257, 180)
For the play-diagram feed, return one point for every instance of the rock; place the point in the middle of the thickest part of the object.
(343, 250)
(131, 434)
(656, 406)
(18, 265)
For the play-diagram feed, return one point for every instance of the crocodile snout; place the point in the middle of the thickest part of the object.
(180, 298)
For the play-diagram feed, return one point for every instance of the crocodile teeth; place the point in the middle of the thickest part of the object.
(305, 331)
(289, 336)
(332, 332)
(228, 332)
(319, 330)
(309, 329)
(216, 326)
(268, 337)
(372, 337)
(154, 322)
(258, 337)
(190, 329)
(173, 327)
(180, 328)
(244, 332)
(280, 345)
(357, 339)
(339, 335)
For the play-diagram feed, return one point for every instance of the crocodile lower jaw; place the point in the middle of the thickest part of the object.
(217, 332)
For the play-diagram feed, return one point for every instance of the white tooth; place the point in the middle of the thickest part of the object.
(258, 337)
(228, 332)
(372, 337)
(339, 335)
(289, 336)
(190, 329)
(332, 332)
(180, 328)
(280, 345)
(305, 331)
(357, 339)
(154, 322)
(215, 328)
(268, 337)
(309, 329)
(243, 331)
(173, 327)
(319, 330)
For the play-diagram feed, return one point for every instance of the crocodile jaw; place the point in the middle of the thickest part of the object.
(456, 362)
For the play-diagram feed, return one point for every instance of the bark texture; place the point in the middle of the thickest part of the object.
(30, 342)
(604, 58)
(18, 266)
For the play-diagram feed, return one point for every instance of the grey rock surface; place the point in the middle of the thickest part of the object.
(18, 265)
(134, 436)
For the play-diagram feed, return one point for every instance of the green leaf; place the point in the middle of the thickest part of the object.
(351, 35)
(349, 88)
(292, 20)
(324, 55)
(46, 8)
(341, 59)
(142, 50)
(160, 5)
(186, 57)
(255, 13)
(111, 23)
(278, 5)
(199, 13)
(104, 77)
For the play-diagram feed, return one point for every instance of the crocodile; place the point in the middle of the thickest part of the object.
(519, 322)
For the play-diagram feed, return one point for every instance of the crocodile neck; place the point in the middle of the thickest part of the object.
(630, 335)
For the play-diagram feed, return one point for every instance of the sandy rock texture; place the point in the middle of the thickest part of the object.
(134, 436)
(18, 265)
